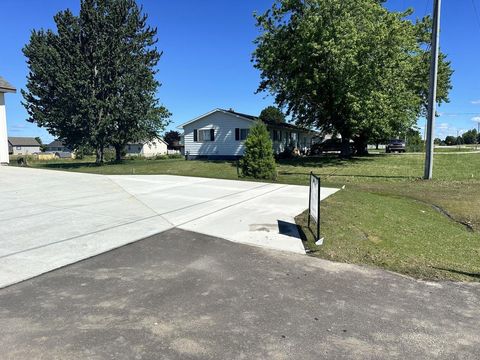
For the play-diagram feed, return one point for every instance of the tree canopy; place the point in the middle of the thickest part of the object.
(272, 114)
(347, 66)
(92, 82)
(171, 137)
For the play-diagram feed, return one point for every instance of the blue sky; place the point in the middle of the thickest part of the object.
(207, 49)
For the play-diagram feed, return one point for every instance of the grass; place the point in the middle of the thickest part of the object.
(386, 216)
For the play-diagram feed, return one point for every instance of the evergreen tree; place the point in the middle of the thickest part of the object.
(258, 160)
(93, 82)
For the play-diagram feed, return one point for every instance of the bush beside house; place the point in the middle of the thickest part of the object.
(258, 160)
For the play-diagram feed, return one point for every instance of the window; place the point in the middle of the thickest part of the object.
(241, 134)
(244, 133)
(204, 135)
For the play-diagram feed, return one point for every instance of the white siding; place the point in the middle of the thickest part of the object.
(25, 150)
(151, 149)
(156, 147)
(224, 144)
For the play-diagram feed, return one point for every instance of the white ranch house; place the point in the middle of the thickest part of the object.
(147, 149)
(221, 134)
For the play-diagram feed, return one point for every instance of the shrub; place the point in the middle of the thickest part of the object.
(258, 161)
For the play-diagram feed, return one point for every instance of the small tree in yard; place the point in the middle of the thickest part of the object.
(258, 161)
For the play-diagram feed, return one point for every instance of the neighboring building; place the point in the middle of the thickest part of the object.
(23, 145)
(147, 149)
(57, 145)
(221, 134)
(5, 87)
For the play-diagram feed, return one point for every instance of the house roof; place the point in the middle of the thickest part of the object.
(56, 143)
(251, 118)
(23, 141)
(6, 87)
(142, 142)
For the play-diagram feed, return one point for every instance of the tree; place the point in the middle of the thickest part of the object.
(459, 140)
(450, 140)
(43, 147)
(258, 160)
(272, 114)
(171, 137)
(414, 140)
(470, 136)
(437, 141)
(93, 82)
(346, 66)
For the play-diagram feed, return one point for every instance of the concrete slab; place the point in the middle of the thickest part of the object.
(49, 219)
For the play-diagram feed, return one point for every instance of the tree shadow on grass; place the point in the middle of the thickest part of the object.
(70, 165)
(474, 275)
(326, 160)
(287, 173)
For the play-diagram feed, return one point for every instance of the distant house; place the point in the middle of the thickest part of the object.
(57, 146)
(221, 134)
(23, 145)
(147, 149)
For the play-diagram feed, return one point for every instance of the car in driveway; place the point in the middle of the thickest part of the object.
(395, 145)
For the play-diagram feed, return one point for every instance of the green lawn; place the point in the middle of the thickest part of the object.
(386, 216)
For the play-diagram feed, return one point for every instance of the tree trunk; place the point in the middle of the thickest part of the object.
(361, 145)
(118, 153)
(99, 155)
(346, 150)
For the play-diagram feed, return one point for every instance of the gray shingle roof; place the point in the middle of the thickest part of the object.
(56, 143)
(23, 141)
(271, 123)
(5, 86)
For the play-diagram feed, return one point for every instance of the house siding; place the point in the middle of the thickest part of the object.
(24, 150)
(224, 144)
(151, 149)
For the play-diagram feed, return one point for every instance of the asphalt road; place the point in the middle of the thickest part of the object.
(182, 295)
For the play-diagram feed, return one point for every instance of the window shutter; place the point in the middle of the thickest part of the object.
(237, 134)
(195, 135)
(212, 134)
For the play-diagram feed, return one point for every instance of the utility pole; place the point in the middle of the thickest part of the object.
(432, 96)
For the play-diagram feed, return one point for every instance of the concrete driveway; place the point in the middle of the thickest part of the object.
(50, 219)
(183, 295)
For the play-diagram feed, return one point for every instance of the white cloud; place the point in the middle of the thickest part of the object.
(476, 119)
(443, 126)
(476, 102)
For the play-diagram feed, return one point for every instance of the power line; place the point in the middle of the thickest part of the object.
(475, 11)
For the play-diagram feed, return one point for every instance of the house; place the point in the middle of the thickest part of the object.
(221, 134)
(5, 87)
(57, 146)
(147, 149)
(23, 145)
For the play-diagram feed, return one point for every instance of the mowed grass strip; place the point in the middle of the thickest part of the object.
(395, 233)
(387, 216)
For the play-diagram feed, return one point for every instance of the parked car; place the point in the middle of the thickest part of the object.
(395, 145)
(329, 145)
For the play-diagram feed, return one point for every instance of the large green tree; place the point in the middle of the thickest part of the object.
(346, 66)
(93, 81)
(272, 114)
